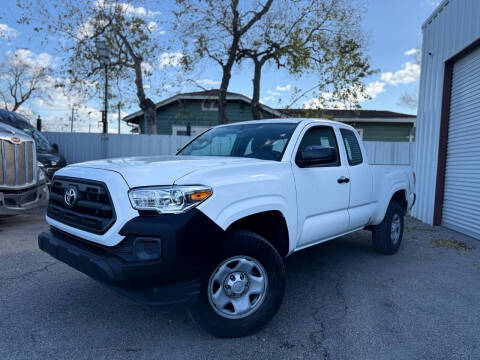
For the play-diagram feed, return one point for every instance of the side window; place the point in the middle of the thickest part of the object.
(322, 136)
(352, 147)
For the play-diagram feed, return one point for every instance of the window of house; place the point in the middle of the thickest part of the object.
(182, 130)
(209, 105)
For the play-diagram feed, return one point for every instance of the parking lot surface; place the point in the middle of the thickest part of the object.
(343, 301)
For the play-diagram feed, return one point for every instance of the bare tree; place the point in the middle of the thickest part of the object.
(321, 38)
(214, 29)
(22, 79)
(129, 29)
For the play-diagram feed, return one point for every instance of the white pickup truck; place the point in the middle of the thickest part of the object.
(210, 226)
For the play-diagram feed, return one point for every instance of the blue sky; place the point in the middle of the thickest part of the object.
(394, 28)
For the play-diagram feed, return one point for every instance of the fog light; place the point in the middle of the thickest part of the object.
(148, 248)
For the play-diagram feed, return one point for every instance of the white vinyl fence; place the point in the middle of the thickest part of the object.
(79, 147)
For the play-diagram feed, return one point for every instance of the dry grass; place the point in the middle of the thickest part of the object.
(451, 244)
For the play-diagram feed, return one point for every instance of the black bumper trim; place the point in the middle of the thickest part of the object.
(115, 273)
(186, 246)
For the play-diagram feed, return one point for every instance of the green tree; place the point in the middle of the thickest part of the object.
(129, 29)
(213, 29)
(318, 38)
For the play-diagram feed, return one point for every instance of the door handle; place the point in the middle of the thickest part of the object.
(343, 179)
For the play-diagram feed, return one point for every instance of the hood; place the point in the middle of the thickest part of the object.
(160, 170)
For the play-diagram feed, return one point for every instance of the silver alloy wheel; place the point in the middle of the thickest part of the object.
(237, 287)
(395, 228)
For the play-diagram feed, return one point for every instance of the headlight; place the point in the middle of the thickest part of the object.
(168, 199)
(40, 173)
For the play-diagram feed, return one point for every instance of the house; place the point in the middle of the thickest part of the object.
(199, 111)
(372, 125)
(447, 153)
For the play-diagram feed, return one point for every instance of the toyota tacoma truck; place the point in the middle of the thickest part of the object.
(210, 227)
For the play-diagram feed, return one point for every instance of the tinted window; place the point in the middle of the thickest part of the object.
(265, 141)
(320, 135)
(352, 147)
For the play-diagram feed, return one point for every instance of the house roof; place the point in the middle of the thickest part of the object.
(352, 115)
(201, 95)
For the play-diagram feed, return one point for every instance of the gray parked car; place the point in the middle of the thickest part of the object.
(23, 183)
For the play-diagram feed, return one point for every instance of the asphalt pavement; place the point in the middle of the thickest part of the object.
(343, 301)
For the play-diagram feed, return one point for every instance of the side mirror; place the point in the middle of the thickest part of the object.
(55, 147)
(315, 155)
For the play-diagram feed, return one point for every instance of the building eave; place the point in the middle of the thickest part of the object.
(180, 97)
(400, 120)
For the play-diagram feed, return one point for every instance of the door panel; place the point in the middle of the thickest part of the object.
(361, 181)
(322, 201)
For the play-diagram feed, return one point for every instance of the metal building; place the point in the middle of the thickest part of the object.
(447, 151)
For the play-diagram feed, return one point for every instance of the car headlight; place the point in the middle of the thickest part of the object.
(41, 177)
(169, 199)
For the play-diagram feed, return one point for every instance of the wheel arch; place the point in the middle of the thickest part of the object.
(398, 194)
(270, 224)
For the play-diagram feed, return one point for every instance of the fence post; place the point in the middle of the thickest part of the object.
(104, 145)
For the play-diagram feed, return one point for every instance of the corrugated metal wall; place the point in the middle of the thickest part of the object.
(79, 147)
(451, 28)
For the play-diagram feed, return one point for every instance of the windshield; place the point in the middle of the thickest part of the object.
(41, 141)
(265, 141)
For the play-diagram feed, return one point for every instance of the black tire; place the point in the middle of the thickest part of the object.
(249, 244)
(382, 233)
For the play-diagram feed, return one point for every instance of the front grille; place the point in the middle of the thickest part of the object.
(93, 209)
(18, 164)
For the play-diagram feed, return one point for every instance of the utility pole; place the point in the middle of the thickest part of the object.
(71, 121)
(119, 105)
(105, 119)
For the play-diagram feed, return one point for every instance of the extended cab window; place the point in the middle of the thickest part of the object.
(352, 147)
(320, 136)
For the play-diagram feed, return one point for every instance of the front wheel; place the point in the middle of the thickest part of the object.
(387, 236)
(243, 290)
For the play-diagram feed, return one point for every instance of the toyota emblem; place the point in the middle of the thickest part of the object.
(70, 197)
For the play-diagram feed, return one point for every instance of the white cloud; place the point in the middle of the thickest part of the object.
(207, 82)
(151, 26)
(408, 74)
(375, 88)
(413, 51)
(283, 88)
(267, 98)
(326, 99)
(147, 67)
(27, 57)
(6, 32)
(128, 8)
(170, 59)
(273, 93)
(433, 2)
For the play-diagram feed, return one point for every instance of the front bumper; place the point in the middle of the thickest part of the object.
(158, 262)
(15, 202)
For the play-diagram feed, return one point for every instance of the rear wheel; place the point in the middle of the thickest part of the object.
(243, 290)
(387, 236)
